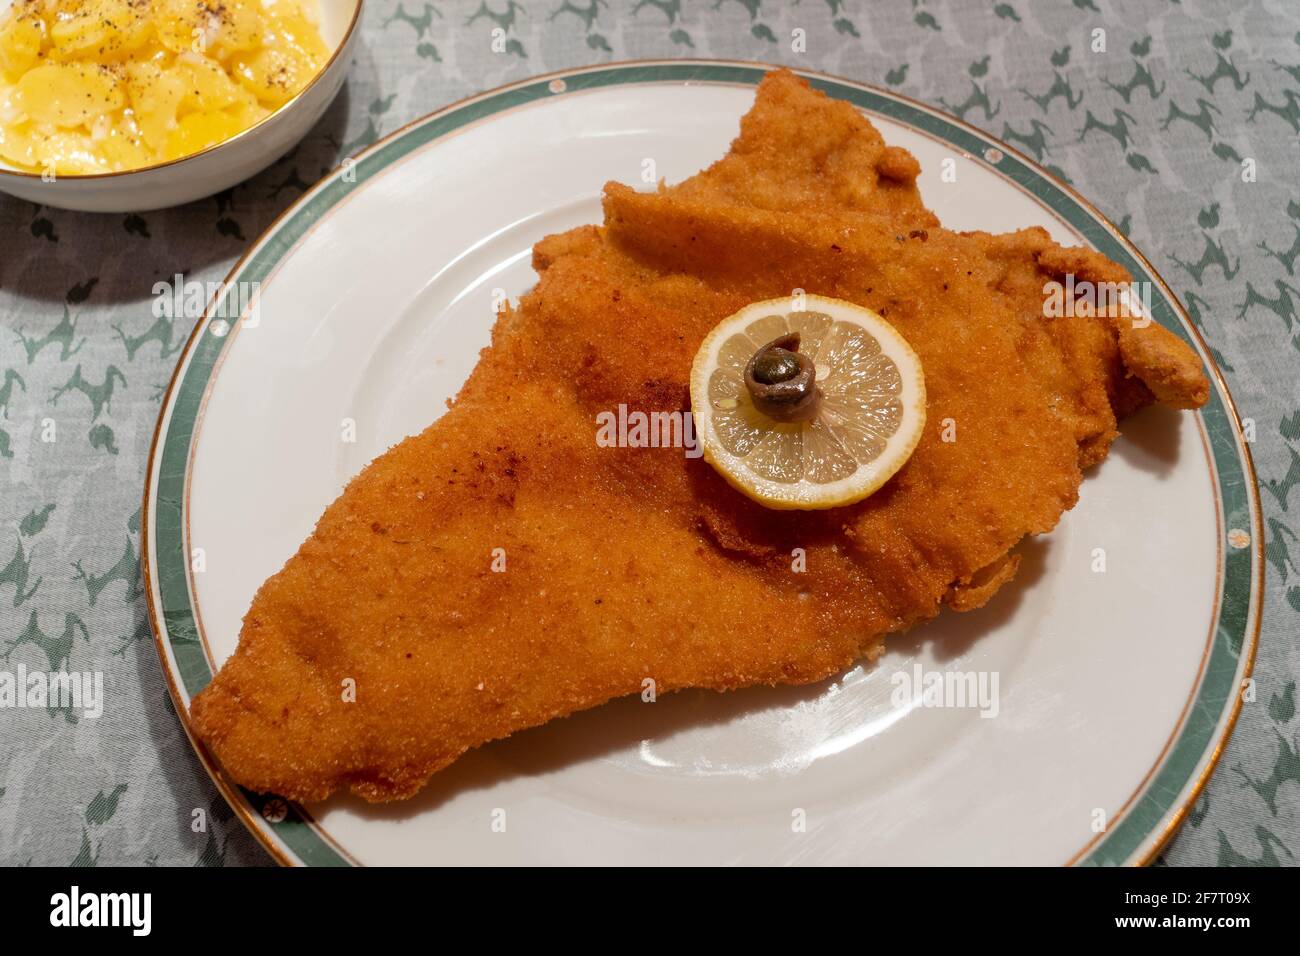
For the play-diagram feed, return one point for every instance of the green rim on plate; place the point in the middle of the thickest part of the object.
(288, 831)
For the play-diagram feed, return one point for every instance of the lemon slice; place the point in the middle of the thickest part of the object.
(864, 425)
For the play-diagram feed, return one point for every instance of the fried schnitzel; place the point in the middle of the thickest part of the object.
(502, 569)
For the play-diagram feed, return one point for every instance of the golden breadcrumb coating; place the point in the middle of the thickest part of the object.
(624, 564)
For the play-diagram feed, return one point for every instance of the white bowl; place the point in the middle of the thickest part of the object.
(217, 167)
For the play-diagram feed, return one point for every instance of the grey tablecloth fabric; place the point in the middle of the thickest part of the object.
(1154, 130)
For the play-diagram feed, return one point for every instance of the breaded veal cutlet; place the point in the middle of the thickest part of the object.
(625, 564)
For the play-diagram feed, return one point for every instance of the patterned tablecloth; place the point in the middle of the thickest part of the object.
(1156, 129)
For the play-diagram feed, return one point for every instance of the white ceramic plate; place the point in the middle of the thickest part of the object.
(1117, 689)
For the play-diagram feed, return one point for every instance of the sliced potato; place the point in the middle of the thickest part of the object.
(69, 94)
(97, 85)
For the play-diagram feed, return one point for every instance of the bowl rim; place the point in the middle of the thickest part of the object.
(343, 44)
